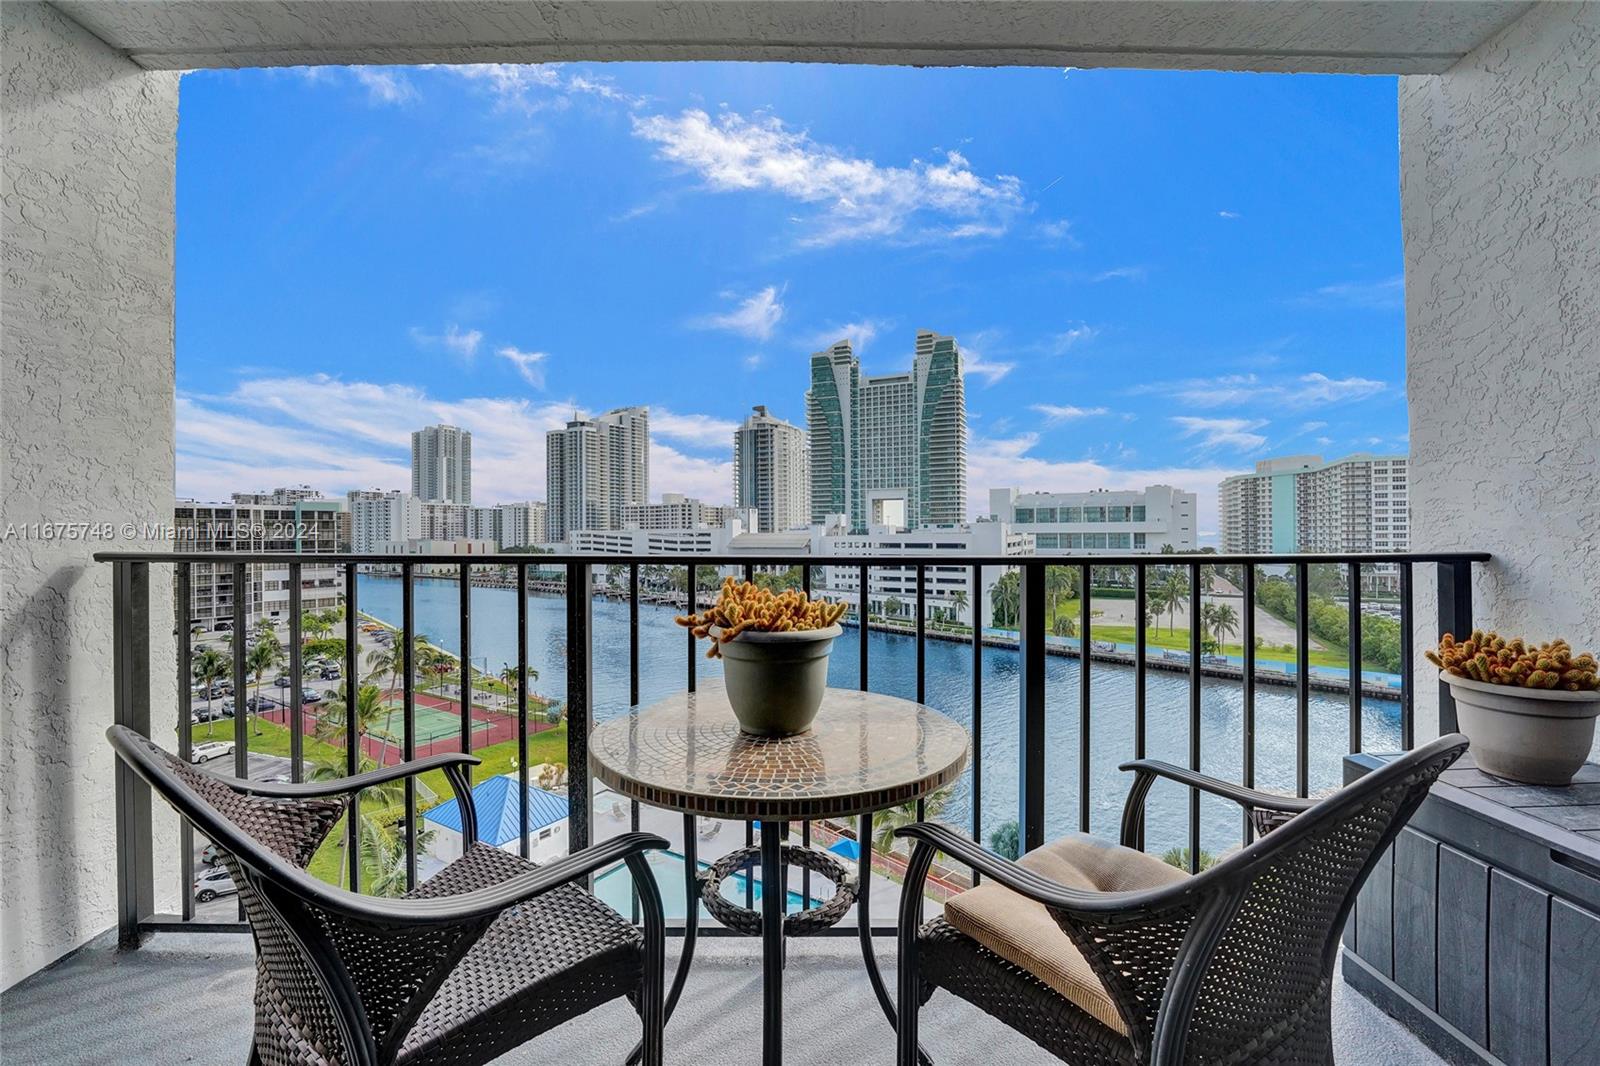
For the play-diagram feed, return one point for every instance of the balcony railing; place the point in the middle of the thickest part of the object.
(1042, 782)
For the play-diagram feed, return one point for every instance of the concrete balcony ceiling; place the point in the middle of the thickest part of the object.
(1359, 36)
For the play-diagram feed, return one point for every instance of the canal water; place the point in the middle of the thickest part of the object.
(892, 670)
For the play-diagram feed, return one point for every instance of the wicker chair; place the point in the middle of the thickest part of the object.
(486, 954)
(1232, 965)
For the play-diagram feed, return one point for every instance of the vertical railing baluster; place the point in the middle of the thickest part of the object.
(580, 702)
(1141, 641)
(182, 591)
(1031, 716)
(466, 663)
(749, 827)
(241, 712)
(408, 740)
(691, 583)
(976, 603)
(1085, 708)
(1353, 601)
(1195, 617)
(1455, 616)
(1408, 690)
(864, 616)
(1302, 679)
(291, 712)
(1247, 633)
(922, 649)
(130, 668)
(352, 722)
(633, 634)
(522, 710)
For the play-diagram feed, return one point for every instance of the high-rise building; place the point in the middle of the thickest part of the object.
(889, 450)
(594, 468)
(378, 518)
(1152, 519)
(1301, 504)
(770, 472)
(509, 525)
(441, 465)
(304, 525)
(677, 511)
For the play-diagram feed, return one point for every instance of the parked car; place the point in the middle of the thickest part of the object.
(212, 883)
(211, 749)
(261, 703)
(282, 681)
(310, 696)
(330, 673)
(210, 855)
(207, 714)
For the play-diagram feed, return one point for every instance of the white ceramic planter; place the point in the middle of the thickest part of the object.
(775, 681)
(1538, 736)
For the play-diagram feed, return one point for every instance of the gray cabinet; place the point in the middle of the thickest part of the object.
(1480, 926)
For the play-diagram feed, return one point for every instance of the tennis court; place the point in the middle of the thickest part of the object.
(432, 723)
(438, 726)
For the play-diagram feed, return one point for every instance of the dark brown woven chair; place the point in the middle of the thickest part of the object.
(1232, 965)
(488, 953)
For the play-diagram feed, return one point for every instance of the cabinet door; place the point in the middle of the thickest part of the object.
(1574, 985)
(1416, 887)
(1464, 943)
(1519, 951)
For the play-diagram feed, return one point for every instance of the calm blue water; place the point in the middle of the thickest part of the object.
(892, 670)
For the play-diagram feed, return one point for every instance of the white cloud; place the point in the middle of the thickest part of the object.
(336, 435)
(1233, 390)
(1122, 273)
(999, 462)
(1058, 231)
(1386, 294)
(701, 431)
(859, 334)
(756, 316)
(1078, 334)
(529, 364)
(1236, 433)
(1227, 214)
(1311, 427)
(454, 339)
(385, 86)
(1055, 414)
(530, 87)
(990, 370)
(854, 198)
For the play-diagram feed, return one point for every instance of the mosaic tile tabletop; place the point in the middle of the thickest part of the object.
(864, 752)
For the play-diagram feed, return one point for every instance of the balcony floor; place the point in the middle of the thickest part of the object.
(185, 998)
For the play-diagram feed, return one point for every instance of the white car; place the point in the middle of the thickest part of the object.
(211, 749)
(213, 882)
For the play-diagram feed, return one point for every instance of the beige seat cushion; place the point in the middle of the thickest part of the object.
(1023, 933)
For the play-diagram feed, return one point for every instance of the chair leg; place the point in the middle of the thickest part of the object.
(907, 1051)
(255, 1055)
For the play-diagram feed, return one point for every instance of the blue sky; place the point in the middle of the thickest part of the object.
(1154, 276)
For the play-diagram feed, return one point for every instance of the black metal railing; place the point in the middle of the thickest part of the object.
(573, 575)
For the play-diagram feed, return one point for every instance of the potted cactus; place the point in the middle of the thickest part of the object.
(774, 649)
(1528, 710)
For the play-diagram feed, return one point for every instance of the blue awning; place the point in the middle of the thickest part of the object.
(499, 817)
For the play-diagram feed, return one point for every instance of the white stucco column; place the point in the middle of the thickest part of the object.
(1500, 202)
(86, 436)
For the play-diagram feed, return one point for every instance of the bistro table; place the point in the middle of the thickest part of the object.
(865, 752)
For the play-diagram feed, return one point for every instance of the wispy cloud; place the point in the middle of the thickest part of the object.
(701, 431)
(1058, 231)
(1055, 414)
(852, 198)
(385, 85)
(1239, 390)
(1122, 273)
(973, 364)
(529, 364)
(531, 87)
(1386, 294)
(859, 333)
(454, 339)
(1081, 333)
(1236, 433)
(756, 316)
(1228, 214)
(1312, 427)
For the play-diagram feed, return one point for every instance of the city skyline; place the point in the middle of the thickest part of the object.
(1154, 278)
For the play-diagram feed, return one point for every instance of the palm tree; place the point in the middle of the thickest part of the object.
(266, 655)
(383, 855)
(209, 667)
(885, 822)
(1006, 599)
(958, 602)
(332, 727)
(1173, 591)
(1064, 626)
(508, 674)
(892, 606)
(314, 625)
(1222, 620)
(1058, 582)
(375, 799)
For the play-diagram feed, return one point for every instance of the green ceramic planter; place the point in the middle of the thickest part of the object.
(775, 681)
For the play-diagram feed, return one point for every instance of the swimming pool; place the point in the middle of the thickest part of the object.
(615, 887)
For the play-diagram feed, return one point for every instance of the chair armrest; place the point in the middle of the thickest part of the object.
(488, 902)
(1147, 770)
(1019, 879)
(340, 786)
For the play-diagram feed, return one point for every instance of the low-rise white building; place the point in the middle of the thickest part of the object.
(677, 511)
(1101, 522)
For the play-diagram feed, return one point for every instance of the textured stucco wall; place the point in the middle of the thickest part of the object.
(1500, 202)
(86, 435)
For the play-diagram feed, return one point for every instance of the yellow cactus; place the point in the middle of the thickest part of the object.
(1490, 658)
(741, 606)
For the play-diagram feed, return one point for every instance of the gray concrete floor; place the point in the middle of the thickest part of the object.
(185, 998)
